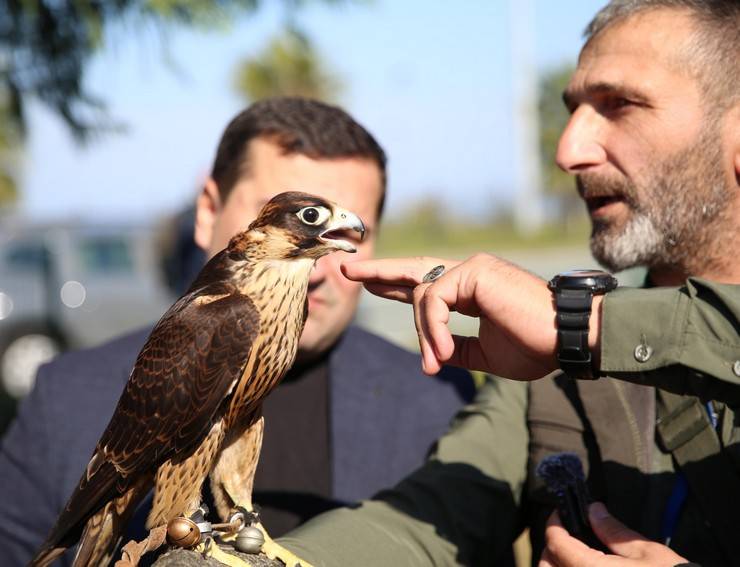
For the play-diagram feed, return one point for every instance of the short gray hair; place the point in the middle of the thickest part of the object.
(713, 55)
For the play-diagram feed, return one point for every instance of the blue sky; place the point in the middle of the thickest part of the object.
(431, 80)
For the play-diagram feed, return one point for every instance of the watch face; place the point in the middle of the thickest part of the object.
(597, 281)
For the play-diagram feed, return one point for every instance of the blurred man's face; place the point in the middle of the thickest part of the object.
(353, 183)
(645, 146)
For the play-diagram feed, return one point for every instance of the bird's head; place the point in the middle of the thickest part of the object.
(299, 225)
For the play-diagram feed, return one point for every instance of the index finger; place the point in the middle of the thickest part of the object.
(408, 272)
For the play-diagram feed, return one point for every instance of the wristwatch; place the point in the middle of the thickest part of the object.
(574, 292)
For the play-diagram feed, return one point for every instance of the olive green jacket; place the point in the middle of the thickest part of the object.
(477, 491)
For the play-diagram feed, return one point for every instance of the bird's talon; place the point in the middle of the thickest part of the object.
(249, 517)
(210, 549)
(204, 547)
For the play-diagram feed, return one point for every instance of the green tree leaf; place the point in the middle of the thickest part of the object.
(288, 66)
(553, 118)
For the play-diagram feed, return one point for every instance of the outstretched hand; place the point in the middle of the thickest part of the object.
(629, 548)
(517, 337)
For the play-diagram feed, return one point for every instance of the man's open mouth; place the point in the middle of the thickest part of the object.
(595, 203)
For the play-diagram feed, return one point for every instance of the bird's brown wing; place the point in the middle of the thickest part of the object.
(189, 364)
(182, 375)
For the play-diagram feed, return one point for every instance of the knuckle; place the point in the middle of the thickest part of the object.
(648, 548)
(427, 292)
(482, 257)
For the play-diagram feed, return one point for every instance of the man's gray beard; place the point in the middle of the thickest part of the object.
(636, 245)
(675, 221)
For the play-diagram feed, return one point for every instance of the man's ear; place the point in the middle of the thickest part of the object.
(207, 209)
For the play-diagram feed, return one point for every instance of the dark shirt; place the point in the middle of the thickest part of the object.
(294, 485)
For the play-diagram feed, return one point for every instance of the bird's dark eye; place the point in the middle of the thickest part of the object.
(310, 215)
(313, 215)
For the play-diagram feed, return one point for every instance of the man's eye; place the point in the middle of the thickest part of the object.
(613, 104)
(621, 102)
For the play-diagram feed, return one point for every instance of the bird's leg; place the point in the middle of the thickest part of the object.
(133, 550)
(232, 480)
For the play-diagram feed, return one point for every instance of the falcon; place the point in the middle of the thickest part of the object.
(191, 408)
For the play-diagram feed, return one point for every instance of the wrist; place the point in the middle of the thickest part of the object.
(578, 300)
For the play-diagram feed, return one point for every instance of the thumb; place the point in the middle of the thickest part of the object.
(617, 537)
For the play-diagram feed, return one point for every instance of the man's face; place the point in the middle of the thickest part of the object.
(353, 183)
(646, 149)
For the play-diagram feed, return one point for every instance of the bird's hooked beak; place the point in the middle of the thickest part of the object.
(341, 221)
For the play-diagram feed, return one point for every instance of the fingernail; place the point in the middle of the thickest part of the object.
(597, 511)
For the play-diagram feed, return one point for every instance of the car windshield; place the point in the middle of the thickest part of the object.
(27, 257)
(105, 255)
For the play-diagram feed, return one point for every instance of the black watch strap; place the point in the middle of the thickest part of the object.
(573, 314)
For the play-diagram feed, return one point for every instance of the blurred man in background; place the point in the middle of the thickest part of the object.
(654, 142)
(353, 415)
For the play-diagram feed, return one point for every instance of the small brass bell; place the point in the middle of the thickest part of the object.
(183, 532)
(249, 540)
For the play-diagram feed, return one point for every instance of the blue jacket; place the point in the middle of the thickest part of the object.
(384, 416)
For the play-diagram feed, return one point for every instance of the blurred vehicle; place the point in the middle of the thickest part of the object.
(70, 286)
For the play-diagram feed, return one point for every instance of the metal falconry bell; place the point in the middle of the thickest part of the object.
(249, 540)
(183, 532)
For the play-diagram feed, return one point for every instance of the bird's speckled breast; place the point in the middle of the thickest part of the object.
(278, 289)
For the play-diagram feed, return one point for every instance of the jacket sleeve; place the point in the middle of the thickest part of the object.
(685, 340)
(30, 499)
(460, 508)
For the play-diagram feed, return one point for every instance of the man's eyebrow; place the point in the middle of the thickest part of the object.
(572, 97)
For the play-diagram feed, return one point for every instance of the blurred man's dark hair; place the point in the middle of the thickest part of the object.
(299, 126)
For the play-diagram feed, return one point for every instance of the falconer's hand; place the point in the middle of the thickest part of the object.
(628, 548)
(517, 337)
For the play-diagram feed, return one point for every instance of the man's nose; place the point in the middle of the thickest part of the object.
(580, 146)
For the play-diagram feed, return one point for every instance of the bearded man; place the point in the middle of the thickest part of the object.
(649, 395)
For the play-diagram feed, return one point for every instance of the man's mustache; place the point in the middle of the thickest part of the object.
(592, 186)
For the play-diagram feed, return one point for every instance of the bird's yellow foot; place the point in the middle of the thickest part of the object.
(252, 537)
(275, 551)
(209, 548)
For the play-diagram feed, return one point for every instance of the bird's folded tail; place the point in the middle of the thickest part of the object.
(101, 532)
(99, 539)
(46, 556)
(104, 530)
